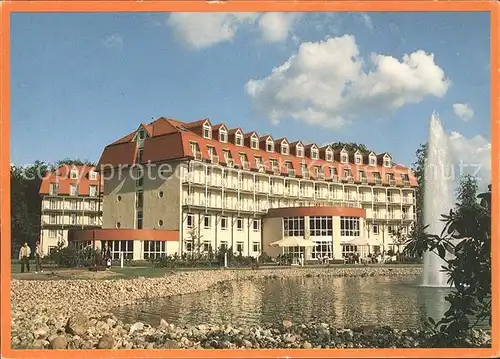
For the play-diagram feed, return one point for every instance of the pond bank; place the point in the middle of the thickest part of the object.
(62, 313)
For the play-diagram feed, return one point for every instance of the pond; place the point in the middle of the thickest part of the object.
(343, 302)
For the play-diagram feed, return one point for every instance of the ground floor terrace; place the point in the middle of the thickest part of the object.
(311, 233)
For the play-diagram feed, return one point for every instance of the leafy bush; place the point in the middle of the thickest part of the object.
(70, 257)
(467, 237)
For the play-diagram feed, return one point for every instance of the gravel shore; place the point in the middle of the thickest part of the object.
(76, 314)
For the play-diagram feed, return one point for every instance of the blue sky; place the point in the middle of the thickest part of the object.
(80, 81)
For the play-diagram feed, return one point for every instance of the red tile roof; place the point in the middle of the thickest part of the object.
(171, 140)
(61, 176)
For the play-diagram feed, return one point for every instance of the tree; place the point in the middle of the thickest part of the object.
(467, 236)
(418, 168)
(73, 161)
(350, 146)
(467, 192)
(26, 203)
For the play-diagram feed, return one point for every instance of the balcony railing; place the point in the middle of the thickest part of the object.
(305, 174)
(214, 159)
(291, 173)
(197, 155)
(392, 182)
(246, 165)
(321, 176)
(406, 183)
(378, 181)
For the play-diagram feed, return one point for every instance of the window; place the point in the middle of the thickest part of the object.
(93, 191)
(118, 224)
(52, 233)
(53, 219)
(160, 194)
(256, 247)
(139, 199)
(387, 161)
(73, 190)
(322, 249)
(223, 245)
(299, 150)
(349, 226)
(376, 177)
(127, 247)
(375, 229)
(222, 135)
(207, 221)
(54, 189)
(295, 252)
(284, 148)
(74, 174)
(254, 142)
(93, 175)
(160, 223)
(194, 147)
(139, 219)
(256, 225)
(239, 247)
(373, 160)
(92, 220)
(329, 155)
(223, 223)
(207, 131)
(347, 172)
(321, 226)
(153, 249)
(314, 153)
(189, 246)
(348, 250)
(269, 145)
(190, 220)
(293, 226)
(238, 139)
(239, 224)
(362, 175)
(73, 205)
(358, 159)
(211, 151)
(139, 177)
(343, 157)
(72, 219)
(139, 155)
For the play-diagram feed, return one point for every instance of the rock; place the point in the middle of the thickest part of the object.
(287, 324)
(163, 323)
(58, 342)
(106, 342)
(290, 339)
(39, 333)
(170, 344)
(150, 346)
(40, 343)
(307, 345)
(247, 344)
(77, 324)
(135, 327)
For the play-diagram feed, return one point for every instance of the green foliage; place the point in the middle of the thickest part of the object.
(73, 161)
(25, 203)
(350, 146)
(70, 257)
(418, 168)
(467, 237)
(467, 192)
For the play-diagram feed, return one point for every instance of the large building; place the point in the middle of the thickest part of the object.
(70, 200)
(173, 187)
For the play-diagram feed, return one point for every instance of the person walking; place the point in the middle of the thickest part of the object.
(24, 257)
(38, 257)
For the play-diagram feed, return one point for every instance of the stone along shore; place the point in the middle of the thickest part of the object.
(75, 314)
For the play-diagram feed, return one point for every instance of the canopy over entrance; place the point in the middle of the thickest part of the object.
(292, 242)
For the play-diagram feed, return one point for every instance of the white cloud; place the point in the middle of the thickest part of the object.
(277, 26)
(471, 156)
(366, 20)
(114, 40)
(463, 111)
(202, 30)
(326, 80)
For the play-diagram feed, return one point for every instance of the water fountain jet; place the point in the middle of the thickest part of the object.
(438, 198)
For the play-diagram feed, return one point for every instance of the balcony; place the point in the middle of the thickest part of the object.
(377, 181)
(321, 176)
(262, 168)
(305, 174)
(392, 182)
(291, 173)
(406, 183)
(363, 180)
(349, 179)
(246, 165)
(214, 159)
(334, 178)
(407, 200)
(276, 170)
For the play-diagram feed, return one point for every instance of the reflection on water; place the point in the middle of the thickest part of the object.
(343, 302)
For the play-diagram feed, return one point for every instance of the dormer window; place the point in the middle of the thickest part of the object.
(74, 174)
(373, 160)
(344, 157)
(358, 159)
(207, 131)
(329, 155)
(222, 135)
(284, 149)
(387, 161)
(254, 143)
(299, 150)
(238, 139)
(314, 153)
(92, 175)
(141, 134)
(269, 145)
